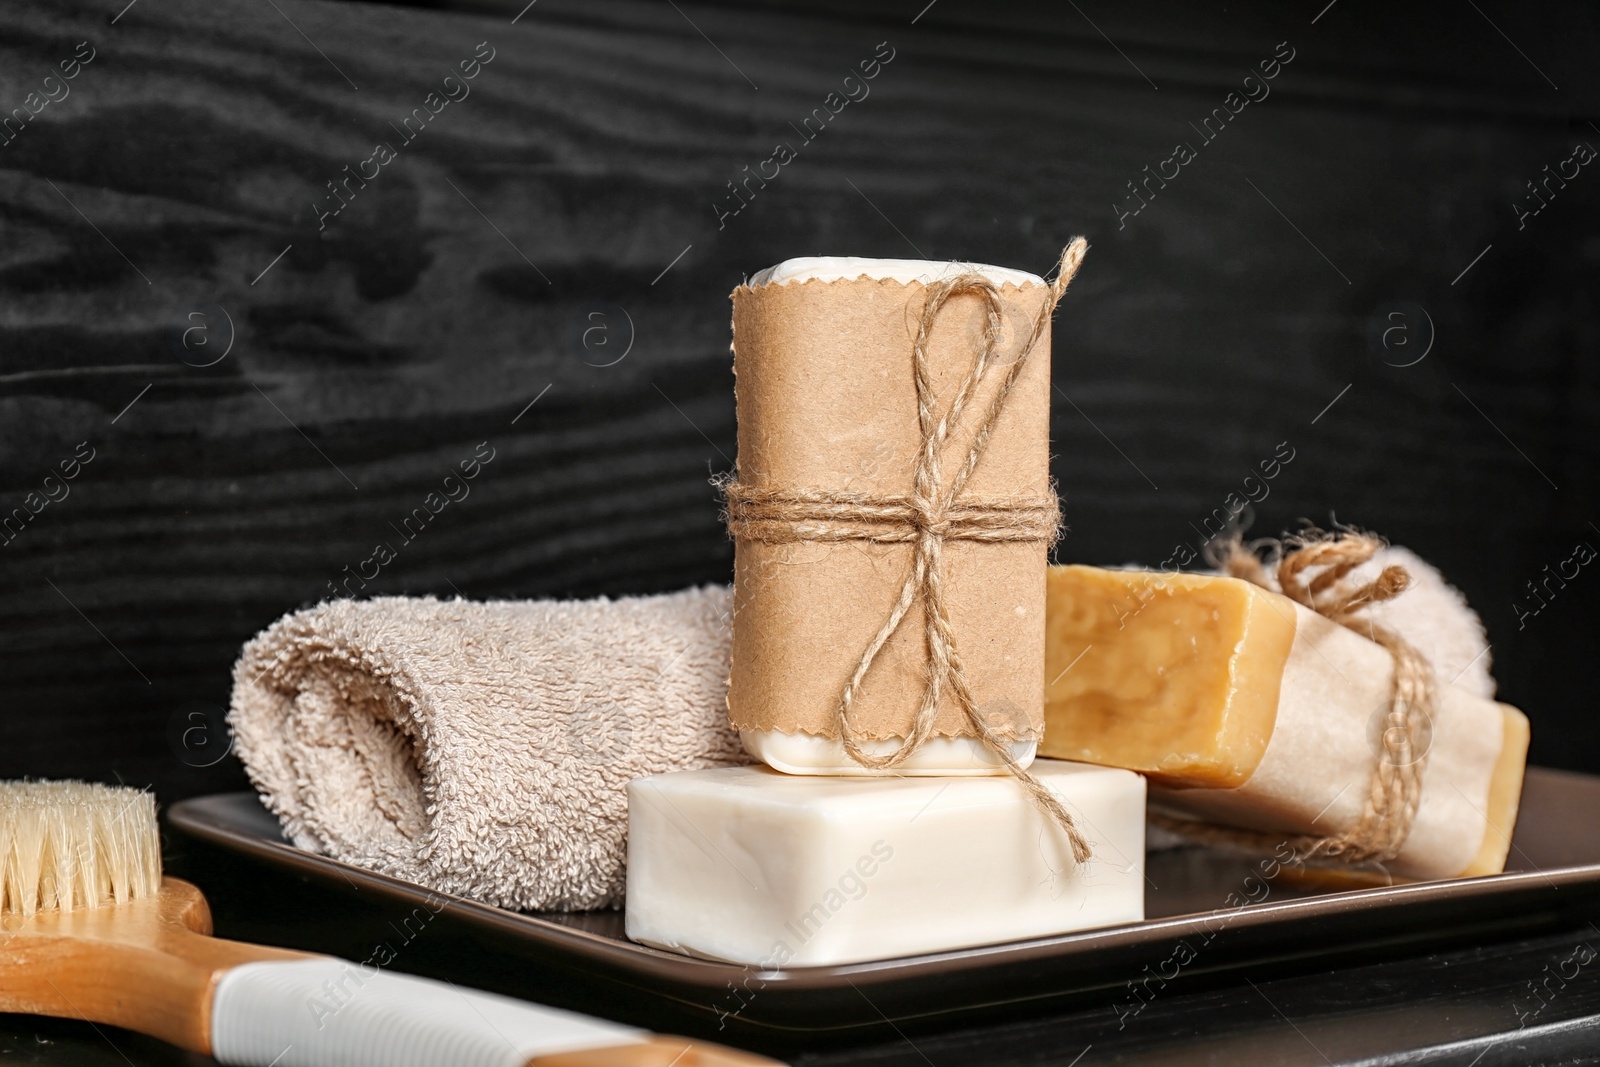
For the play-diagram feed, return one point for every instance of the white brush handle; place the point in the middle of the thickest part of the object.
(331, 1013)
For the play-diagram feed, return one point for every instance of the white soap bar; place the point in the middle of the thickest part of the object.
(843, 268)
(752, 866)
(940, 756)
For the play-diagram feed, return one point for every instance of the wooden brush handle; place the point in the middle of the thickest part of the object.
(150, 966)
(147, 965)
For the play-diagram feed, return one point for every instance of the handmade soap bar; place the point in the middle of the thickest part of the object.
(827, 404)
(751, 866)
(1247, 708)
(803, 753)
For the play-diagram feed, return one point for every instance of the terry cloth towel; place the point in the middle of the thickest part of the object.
(482, 749)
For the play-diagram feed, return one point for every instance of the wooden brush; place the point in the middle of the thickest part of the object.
(89, 929)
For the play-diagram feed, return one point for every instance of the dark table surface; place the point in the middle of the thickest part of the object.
(1515, 1000)
(1490, 1006)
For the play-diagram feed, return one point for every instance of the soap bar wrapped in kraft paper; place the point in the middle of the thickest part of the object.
(892, 515)
(1301, 707)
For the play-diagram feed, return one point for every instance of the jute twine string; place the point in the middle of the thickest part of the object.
(932, 513)
(1395, 789)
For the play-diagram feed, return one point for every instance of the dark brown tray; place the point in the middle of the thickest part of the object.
(1196, 934)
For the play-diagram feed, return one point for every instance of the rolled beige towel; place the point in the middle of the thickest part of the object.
(482, 749)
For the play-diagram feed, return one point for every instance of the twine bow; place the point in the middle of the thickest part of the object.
(931, 514)
(1395, 790)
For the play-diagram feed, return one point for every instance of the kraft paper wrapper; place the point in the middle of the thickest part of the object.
(826, 401)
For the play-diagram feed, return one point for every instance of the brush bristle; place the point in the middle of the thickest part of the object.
(66, 845)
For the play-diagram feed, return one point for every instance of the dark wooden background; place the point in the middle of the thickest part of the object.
(579, 177)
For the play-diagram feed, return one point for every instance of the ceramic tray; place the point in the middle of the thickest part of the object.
(1208, 919)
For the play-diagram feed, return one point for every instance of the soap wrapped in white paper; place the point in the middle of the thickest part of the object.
(751, 866)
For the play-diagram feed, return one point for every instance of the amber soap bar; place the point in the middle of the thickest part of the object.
(1245, 707)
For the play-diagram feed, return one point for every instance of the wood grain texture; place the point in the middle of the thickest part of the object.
(582, 175)
(148, 965)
